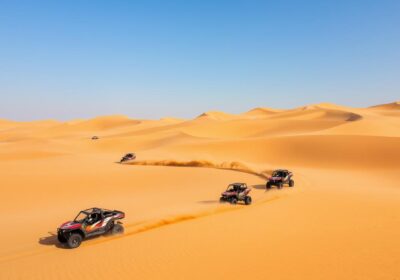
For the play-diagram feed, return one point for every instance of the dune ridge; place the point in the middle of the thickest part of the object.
(388, 106)
(216, 115)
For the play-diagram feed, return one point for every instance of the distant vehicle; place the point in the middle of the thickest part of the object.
(89, 223)
(279, 178)
(127, 157)
(95, 138)
(236, 192)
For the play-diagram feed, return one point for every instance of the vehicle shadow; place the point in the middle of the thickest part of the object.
(51, 240)
(208, 201)
(259, 187)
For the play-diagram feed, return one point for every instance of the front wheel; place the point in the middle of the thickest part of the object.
(117, 229)
(74, 241)
(61, 238)
(280, 185)
(268, 186)
(291, 183)
(222, 200)
(233, 200)
(247, 200)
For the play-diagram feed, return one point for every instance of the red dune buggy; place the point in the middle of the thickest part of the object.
(236, 192)
(89, 223)
(128, 157)
(279, 178)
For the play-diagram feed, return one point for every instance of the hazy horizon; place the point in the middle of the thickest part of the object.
(190, 117)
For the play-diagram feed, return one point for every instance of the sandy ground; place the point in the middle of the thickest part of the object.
(340, 221)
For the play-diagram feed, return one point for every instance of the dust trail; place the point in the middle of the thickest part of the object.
(153, 225)
(234, 165)
(139, 227)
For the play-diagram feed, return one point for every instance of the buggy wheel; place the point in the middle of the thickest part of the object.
(109, 228)
(61, 238)
(291, 183)
(222, 200)
(117, 229)
(268, 185)
(233, 200)
(280, 185)
(74, 241)
(247, 200)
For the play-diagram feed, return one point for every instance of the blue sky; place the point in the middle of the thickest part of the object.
(150, 59)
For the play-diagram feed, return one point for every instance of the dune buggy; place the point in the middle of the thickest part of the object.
(127, 157)
(89, 223)
(236, 192)
(279, 178)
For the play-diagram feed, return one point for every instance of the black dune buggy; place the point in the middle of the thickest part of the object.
(128, 157)
(89, 223)
(279, 178)
(236, 192)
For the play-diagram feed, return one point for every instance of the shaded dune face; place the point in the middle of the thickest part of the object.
(340, 220)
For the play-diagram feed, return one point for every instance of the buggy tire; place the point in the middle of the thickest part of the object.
(61, 238)
(247, 200)
(109, 227)
(233, 200)
(117, 229)
(222, 200)
(280, 185)
(268, 185)
(291, 183)
(74, 240)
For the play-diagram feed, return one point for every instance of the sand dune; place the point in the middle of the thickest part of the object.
(215, 115)
(340, 221)
(101, 123)
(319, 112)
(260, 112)
(389, 106)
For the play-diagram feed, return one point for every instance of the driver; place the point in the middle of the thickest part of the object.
(92, 218)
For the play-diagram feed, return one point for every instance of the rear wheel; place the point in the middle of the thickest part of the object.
(109, 228)
(74, 241)
(268, 186)
(247, 200)
(280, 185)
(291, 183)
(233, 200)
(117, 229)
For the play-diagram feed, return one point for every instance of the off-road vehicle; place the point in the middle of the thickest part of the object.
(89, 223)
(279, 178)
(236, 192)
(127, 157)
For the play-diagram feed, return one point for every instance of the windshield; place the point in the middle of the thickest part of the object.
(233, 187)
(81, 217)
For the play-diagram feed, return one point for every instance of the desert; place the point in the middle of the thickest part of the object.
(341, 220)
